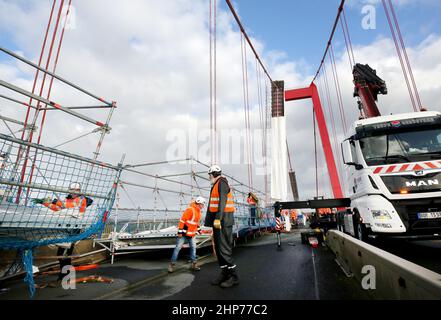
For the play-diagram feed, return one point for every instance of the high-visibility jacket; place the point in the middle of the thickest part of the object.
(69, 203)
(251, 201)
(213, 206)
(189, 222)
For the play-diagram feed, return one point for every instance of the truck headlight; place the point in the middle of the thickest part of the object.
(381, 214)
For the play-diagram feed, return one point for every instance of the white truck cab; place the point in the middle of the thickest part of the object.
(394, 171)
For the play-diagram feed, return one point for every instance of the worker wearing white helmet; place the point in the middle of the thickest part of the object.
(74, 187)
(74, 201)
(220, 216)
(189, 226)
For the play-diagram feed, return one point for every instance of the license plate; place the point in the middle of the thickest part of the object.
(429, 215)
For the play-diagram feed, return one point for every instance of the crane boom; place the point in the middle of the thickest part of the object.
(368, 86)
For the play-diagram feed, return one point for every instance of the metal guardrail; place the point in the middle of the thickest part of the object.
(395, 278)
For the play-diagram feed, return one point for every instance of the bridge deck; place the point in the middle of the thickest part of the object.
(295, 272)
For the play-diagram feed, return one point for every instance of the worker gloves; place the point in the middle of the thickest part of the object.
(41, 201)
(217, 224)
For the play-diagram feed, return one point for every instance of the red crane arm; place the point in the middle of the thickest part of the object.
(368, 86)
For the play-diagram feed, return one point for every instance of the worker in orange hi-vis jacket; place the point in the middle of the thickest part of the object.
(220, 217)
(252, 201)
(73, 200)
(189, 226)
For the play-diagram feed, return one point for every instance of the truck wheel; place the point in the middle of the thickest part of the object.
(361, 232)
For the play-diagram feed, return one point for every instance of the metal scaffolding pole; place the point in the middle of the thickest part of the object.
(17, 101)
(78, 108)
(153, 188)
(48, 102)
(156, 163)
(12, 54)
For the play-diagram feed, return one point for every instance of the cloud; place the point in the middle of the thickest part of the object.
(152, 58)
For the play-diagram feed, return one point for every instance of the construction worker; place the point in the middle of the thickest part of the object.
(220, 216)
(187, 229)
(73, 200)
(252, 201)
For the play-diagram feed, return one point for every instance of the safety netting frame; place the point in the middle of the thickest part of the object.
(30, 171)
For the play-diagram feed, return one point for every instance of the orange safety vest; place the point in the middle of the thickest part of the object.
(189, 223)
(213, 206)
(251, 201)
(77, 202)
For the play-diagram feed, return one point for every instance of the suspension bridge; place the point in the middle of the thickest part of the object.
(369, 200)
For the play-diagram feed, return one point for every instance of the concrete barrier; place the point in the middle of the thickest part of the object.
(395, 278)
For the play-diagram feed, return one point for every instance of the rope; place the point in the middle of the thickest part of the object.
(267, 95)
(36, 78)
(330, 109)
(77, 138)
(49, 58)
(259, 97)
(315, 153)
(327, 103)
(340, 9)
(399, 55)
(27, 259)
(127, 194)
(246, 107)
(338, 90)
(197, 184)
(213, 80)
(54, 68)
(31, 132)
(348, 42)
(216, 150)
(242, 29)
(39, 64)
(403, 47)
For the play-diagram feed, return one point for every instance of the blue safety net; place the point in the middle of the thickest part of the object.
(48, 196)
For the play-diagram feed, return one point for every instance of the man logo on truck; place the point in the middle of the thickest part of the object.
(422, 183)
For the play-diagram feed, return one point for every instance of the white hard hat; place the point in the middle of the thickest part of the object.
(75, 186)
(214, 168)
(200, 200)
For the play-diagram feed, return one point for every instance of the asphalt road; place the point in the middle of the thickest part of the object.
(295, 272)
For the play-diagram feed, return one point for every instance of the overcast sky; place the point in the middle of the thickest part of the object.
(152, 57)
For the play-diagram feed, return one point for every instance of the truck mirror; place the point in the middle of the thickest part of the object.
(346, 152)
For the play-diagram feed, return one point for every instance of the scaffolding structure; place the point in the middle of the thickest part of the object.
(35, 178)
(141, 228)
(38, 206)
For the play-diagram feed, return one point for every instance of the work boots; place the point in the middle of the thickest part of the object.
(221, 278)
(232, 280)
(194, 267)
(171, 267)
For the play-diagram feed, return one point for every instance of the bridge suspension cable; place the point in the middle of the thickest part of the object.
(242, 29)
(402, 55)
(340, 10)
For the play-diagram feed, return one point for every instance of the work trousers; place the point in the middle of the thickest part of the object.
(179, 243)
(64, 261)
(223, 245)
